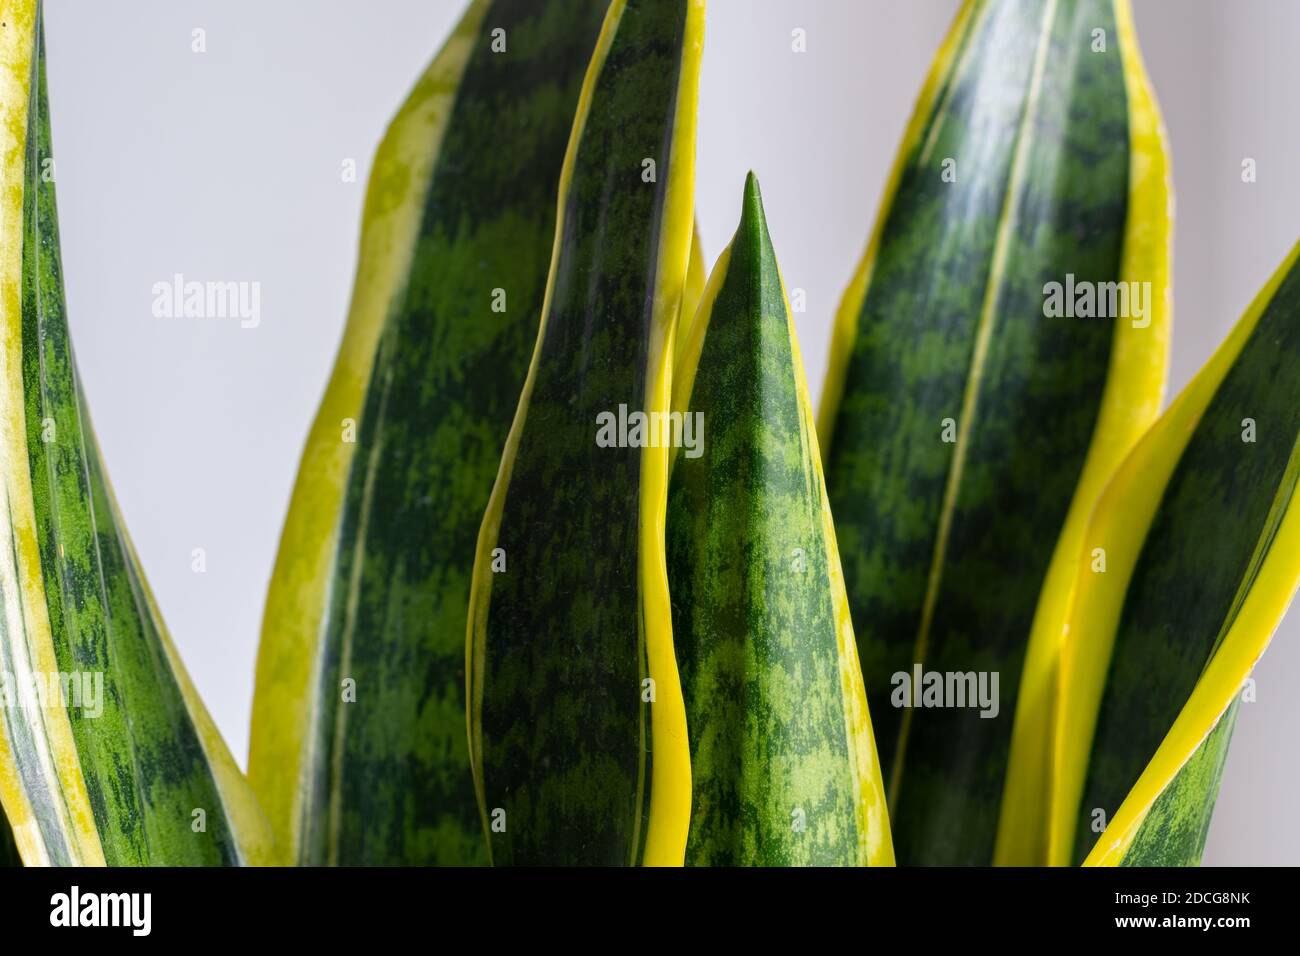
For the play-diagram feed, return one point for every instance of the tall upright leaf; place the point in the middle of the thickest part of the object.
(107, 755)
(987, 375)
(359, 745)
(577, 728)
(1200, 533)
(783, 765)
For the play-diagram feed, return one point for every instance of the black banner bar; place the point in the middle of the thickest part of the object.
(339, 906)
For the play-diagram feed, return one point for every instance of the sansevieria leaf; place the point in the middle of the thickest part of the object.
(783, 765)
(1000, 348)
(1190, 562)
(577, 729)
(107, 755)
(359, 748)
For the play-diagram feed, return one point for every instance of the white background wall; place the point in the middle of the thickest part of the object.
(226, 165)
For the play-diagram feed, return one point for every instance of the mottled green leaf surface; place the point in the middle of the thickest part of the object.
(946, 543)
(162, 787)
(387, 777)
(442, 397)
(782, 765)
(558, 716)
(1174, 830)
(1214, 527)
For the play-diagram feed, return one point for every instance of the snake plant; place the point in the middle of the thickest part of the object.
(967, 433)
(107, 755)
(371, 586)
(783, 762)
(570, 574)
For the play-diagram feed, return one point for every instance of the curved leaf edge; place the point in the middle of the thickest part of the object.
(1122, 518)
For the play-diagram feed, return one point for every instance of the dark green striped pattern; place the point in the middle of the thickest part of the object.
(564, 730)
(442, 395)
(1051, 173)
(753, 613)
(144, 766)
(1215, 521)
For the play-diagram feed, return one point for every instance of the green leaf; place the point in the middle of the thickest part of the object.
(573, 686)
(1173, 831)
(967, 428)
(372, 580)
(107, 755)
(1201, 535)
(783, 765)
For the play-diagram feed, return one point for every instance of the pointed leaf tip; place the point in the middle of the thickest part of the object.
(752, 216)
(752, 232)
